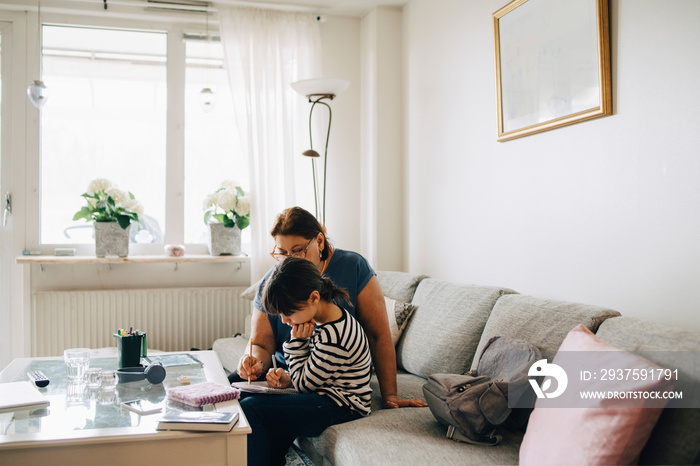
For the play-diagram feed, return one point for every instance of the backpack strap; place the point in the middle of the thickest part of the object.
(489, 440)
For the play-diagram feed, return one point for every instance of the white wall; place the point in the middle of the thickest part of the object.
(382, 139)
(605, 212)
(340, 37)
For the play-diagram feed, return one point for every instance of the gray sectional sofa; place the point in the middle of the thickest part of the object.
(451, 324)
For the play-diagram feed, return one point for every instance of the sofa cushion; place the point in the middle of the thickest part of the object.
(445, 328)
(406, 436)
(593, 432)
(399, 285)
(409, 386)
(541, 322)
(250, 292)
(676, 437)
(230, 351)
(402, 436)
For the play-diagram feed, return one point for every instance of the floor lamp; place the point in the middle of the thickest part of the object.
(316, 90)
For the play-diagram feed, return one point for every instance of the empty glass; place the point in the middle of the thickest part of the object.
(92, 376)
(108, 380)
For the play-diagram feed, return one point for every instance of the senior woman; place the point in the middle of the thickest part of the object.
(297, 233)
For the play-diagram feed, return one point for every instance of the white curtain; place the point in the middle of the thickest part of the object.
(265, 51)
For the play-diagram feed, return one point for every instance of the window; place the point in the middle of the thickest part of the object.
(212, 150)
(107, 117)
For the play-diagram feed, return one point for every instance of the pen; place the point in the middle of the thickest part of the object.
(274, 364)
(250, 360)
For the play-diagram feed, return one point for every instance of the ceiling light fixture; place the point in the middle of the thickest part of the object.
(37, 91)
(206, 95)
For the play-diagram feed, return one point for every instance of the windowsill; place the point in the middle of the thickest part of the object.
(145, 259)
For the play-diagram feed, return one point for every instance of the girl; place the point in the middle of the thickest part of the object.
(329, 364)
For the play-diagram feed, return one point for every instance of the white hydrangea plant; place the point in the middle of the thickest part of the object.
(229, 205)
(107, 203)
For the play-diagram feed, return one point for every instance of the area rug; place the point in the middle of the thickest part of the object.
(296, 457)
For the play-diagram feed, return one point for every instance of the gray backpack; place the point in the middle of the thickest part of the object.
(474, 404)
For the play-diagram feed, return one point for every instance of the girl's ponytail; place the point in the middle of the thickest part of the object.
(330, 292)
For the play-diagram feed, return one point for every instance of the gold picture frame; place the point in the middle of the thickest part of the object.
(552, 65)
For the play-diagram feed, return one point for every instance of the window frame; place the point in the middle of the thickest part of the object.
(175, 27)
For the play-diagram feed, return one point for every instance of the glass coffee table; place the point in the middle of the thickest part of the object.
(89, 426)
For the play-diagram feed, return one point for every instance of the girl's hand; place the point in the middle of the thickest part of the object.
(249, 366)
(302, 331)
(278, 378)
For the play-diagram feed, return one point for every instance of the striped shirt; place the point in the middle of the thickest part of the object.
(335, 361)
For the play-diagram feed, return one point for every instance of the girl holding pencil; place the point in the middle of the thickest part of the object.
(329, 364)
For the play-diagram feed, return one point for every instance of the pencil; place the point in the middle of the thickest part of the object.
(250, 360)
(274, 364)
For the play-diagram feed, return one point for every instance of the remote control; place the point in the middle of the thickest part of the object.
(39, 379)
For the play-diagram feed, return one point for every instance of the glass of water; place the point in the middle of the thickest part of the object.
(77, 361)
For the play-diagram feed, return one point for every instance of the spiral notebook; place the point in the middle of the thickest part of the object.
(261, 387)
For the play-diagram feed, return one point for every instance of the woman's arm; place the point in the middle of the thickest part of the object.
(263, 347)
(371, 313)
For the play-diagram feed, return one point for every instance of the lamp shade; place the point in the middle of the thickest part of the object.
(326, 86)
(206, 99)
(38, 93)
(311, 153)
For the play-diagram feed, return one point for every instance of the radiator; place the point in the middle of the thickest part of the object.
(174, 319)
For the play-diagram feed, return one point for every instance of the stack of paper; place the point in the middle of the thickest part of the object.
(18, 396)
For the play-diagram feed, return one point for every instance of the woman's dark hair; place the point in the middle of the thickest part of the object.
(292, 282)
(295, 221)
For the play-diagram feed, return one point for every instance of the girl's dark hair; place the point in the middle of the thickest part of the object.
(295, 221)
(292, 282)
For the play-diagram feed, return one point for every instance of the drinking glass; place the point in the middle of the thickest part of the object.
(77, 361)
(93, 377)
(108, 380)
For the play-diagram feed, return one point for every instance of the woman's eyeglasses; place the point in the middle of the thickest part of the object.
(301, 253)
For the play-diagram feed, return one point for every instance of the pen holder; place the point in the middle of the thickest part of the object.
(130, 349)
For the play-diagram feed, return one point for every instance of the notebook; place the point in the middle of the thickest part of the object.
(198, 420)
(202, 394)
(261, 387)
(18, 396)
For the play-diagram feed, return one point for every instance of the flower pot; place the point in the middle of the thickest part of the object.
(111, 239)
(224, 241)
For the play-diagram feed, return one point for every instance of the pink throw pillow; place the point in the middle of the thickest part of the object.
(605, 432)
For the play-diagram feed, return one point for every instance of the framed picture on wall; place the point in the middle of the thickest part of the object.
(552, 65)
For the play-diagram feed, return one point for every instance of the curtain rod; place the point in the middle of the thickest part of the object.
(197, 6)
